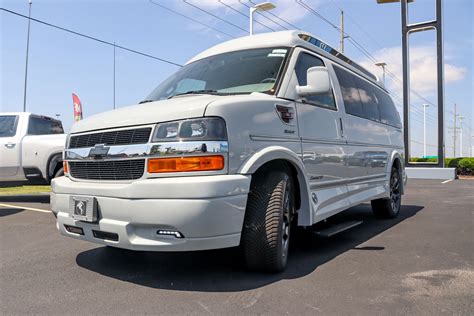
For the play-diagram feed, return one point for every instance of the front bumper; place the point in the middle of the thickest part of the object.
(208, 210)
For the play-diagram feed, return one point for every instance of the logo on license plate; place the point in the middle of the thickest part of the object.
(80, 208)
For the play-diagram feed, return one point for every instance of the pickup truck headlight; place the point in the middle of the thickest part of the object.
(212, 128)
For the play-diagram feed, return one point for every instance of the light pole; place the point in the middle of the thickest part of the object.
(424, 128)
(470, 145)
(264, 6)
(27, 48)
(382, 64)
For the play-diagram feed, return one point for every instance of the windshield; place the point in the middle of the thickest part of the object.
(240, 72)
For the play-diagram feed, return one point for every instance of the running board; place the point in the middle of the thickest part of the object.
(336, 229)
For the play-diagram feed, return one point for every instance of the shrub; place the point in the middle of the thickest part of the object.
(422, 159)
(466, 166)
(447, 161)
(453, 163)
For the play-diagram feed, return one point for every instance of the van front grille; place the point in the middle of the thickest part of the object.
(122, 137)
(107, 170)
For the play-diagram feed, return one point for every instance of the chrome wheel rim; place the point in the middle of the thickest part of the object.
(394, 191)
(285, 240)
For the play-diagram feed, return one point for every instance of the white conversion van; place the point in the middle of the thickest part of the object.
(250, 138)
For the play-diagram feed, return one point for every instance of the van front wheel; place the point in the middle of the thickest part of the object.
(266, 231)
(389, 207)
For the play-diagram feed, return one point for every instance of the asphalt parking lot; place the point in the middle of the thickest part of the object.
(419, 263)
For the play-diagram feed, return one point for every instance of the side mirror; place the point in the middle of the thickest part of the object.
(318, 82)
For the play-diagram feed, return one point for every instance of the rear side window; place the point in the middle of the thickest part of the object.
(8, 125)
(388, 112)
(361, 98)
(368, 99)
(44, 126)
(350, 93)
(306, 61)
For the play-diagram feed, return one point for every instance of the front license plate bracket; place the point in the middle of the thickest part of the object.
(83, 208)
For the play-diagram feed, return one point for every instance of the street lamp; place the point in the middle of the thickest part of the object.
(470, 147)
(264, 6)
(382, 64)
(27, 48)
(424, 128)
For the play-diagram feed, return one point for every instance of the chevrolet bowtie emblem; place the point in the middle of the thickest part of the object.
(99, 151)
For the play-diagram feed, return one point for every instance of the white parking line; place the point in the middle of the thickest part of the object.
(446, 181)
(25, 208)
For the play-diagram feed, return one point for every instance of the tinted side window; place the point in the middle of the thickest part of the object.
(306, 61)
(42, 126)
(350, 93)
(368, 99)
(388, 112)
(8, 125)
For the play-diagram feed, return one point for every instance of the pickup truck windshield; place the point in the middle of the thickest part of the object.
(8, 125)
(239, 72)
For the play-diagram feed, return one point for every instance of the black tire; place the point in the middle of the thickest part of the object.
(389, 207)
(266, 231)
(59, 173)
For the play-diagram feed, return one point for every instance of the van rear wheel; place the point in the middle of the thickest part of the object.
(266, 231)
(389, 207)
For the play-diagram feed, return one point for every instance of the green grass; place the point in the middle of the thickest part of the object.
(25, 189)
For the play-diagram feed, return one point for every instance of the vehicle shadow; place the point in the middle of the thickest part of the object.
(223, 271)
(9, 211)
(34, 198)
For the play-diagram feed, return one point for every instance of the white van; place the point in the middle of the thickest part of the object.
(250, 138)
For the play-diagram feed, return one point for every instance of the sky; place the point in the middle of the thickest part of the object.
(61, 63)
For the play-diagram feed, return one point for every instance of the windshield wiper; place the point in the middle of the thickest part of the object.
(215, 92)
(145, 101)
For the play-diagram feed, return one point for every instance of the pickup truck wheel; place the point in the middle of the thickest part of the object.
(389, 207)
(59, 173)
(266, 231)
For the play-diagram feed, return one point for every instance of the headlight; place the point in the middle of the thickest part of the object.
(193, 129)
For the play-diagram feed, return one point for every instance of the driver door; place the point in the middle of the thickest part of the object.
(9, 147)
(323, 141)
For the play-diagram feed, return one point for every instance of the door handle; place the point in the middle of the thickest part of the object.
(341, 127)
(10, 145)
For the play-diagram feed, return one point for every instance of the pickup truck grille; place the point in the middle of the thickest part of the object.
(122, 137)
(107, 170)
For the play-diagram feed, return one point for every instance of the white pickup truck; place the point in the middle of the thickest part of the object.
(30, 147)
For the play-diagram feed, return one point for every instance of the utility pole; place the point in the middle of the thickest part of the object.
(343, 34)
(470, 137)
(424, 128)
(27, 49)
(114, 76)
(341, 42)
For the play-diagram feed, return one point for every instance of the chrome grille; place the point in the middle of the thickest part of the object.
(122, 137)
(107, 170)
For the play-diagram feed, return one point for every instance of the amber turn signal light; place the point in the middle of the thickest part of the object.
(65, 167)
(185, 164)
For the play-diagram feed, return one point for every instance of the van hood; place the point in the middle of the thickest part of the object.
(177, 108)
